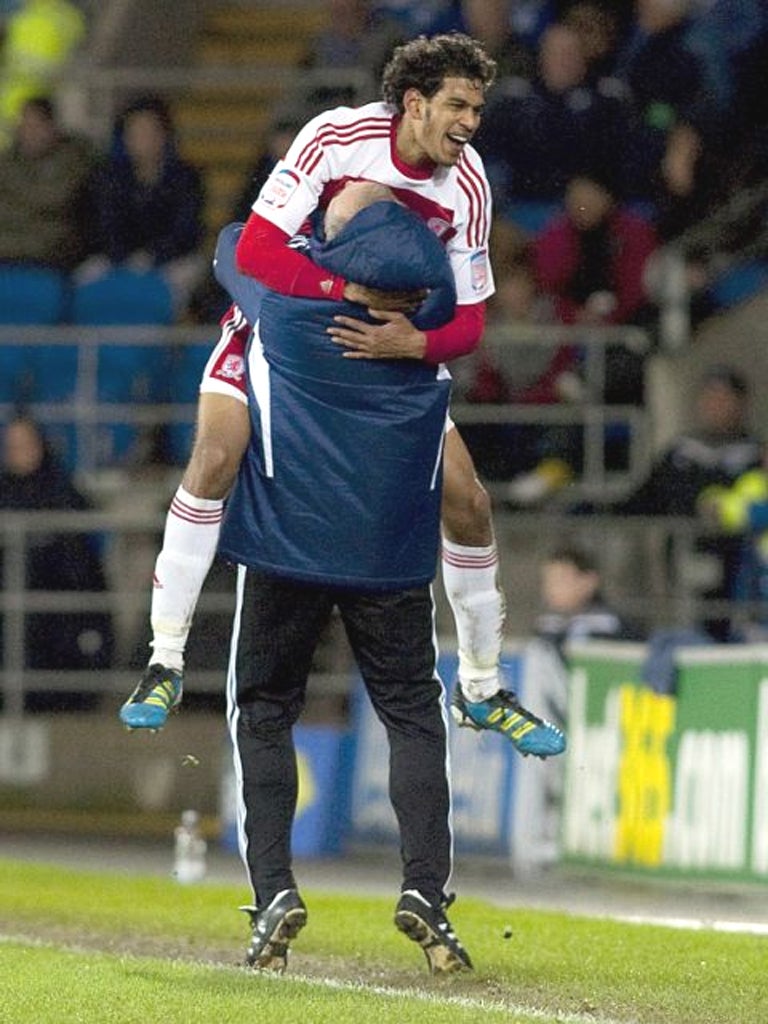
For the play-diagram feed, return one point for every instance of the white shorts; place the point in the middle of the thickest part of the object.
(224, 373)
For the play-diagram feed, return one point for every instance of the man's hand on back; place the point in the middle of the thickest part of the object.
(396, 338)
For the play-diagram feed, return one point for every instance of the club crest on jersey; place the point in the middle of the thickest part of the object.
(438, 226)
(232, 367)
(279, 188)
(478, 266)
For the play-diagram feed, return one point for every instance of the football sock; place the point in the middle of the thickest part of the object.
(470, 579)
(190, 540)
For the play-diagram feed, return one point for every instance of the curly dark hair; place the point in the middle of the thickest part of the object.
(424, 63)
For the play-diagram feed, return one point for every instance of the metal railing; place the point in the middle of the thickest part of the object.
(502, 344)
(82, 408)
(86, 412)
(648, 564)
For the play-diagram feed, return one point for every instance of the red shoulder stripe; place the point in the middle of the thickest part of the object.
(363, 125)
(332, 140)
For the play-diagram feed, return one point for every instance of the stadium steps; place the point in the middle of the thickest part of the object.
(222, 125)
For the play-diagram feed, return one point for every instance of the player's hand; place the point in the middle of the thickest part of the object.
(399, 302)
(395, 338)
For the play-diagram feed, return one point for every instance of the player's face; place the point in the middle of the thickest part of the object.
(438, 129)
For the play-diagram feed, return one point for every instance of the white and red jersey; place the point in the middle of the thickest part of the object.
(350, 144)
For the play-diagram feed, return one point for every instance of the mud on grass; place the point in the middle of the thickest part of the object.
(357, 970)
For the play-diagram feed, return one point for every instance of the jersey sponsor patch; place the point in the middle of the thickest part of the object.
(478, 265)
(279, 188)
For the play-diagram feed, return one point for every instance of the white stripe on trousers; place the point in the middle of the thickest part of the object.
(233, 716)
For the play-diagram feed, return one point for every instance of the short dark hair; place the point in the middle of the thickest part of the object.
(727, 376)
(148, 104)
(424, 63)
(572, 554)
(42, 105)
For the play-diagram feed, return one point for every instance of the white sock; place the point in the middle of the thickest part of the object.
(190, 540)
(470, 578)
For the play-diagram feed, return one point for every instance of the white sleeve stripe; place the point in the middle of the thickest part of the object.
(473, 228)
(472, 181)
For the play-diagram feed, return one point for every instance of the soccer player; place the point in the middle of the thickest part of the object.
(417, 142)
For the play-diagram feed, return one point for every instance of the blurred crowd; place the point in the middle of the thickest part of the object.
(616, 129)
(657, 105)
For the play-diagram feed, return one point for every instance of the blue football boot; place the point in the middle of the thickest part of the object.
(158, 693)
(505, 714)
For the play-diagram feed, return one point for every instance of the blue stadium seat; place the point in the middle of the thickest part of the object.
(739, 283)
(35, 296)
(188, 363)
(32, 295)
(123, 297)
(17, 375)
(63, 439)
(530, 215)
(127, 373)
(53, 373)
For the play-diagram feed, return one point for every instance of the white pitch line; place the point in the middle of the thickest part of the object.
(696, 924)
(465, 1002)
(387, 991)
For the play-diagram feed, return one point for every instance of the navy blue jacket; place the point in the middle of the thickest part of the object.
(341, 484)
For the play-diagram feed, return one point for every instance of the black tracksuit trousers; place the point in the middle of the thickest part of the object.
(277, 626)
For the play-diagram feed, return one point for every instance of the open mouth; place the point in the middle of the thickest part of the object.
(458, 140)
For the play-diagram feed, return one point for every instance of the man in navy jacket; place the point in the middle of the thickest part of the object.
(340, 447)
(364, 512)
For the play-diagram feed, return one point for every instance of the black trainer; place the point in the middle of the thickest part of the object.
(273, 929)
(425, 923)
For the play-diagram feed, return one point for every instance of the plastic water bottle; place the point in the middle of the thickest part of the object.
(189, 849)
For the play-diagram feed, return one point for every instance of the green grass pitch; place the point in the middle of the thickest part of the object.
(100, 948)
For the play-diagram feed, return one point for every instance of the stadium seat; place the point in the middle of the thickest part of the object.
(530, 215)
(188, 363)
(32, 295)
(739, 283)
(127, 373)
(16, 379)
(123, 297)
(52, 373)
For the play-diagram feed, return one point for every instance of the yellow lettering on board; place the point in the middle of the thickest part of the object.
(307, 787)
(644, 783)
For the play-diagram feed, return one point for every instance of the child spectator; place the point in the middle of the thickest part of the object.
(574, 605)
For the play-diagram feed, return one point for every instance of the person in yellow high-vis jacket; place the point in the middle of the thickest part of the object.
(39, 38)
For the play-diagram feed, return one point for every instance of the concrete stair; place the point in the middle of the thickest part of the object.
(222, 124)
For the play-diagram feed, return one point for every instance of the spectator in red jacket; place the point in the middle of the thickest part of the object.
(592, 257)
(526, 372)
(590, 260)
